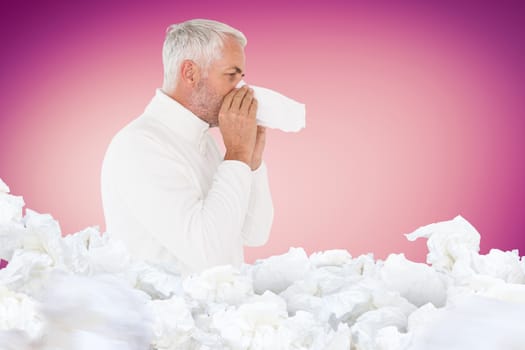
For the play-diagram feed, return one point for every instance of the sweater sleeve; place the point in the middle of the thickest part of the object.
(259, 216)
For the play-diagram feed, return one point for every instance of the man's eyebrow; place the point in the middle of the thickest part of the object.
(237, 70)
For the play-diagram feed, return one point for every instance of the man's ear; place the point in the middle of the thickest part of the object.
(189, 72)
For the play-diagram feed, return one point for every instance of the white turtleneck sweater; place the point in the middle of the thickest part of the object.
(169, 195)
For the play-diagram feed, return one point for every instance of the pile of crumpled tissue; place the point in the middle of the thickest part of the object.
(84, 291)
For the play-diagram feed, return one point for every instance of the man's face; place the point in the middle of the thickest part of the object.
(223, 75)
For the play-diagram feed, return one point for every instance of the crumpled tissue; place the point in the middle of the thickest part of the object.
(334, 257)
(449, 242)
(173, 323)
(277, 111)
(10, 206)
(417, 282)
(475, 322)
(269, 274)
(500, 264)
(220, 284)
(18, 311)
(155, 281)
(85, 291)
(97, 312)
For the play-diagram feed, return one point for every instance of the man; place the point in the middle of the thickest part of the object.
(167, 191)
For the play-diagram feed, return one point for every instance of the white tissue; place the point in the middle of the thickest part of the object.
(173, 323)
(85, 291)
(511, 292)
(421, 319)
(475, 323)
(334, 257)
(500, 264)
(254, 324)
(220, 284)
(418, 283)
(43, 235)
(390, 338)
(3, 187)
(15, 339)
(98, 312)
(11, 238)
(155, 281)
(10, 207)
(270, 274)
(27, 271)
(448, 242)
(277, 111)
(18, 311)
(365, 328)
(88, 252)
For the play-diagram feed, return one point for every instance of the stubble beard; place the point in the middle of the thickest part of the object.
(206, 104)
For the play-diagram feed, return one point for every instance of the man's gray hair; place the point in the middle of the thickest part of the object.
(199, 40)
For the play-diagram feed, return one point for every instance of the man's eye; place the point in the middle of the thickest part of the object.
(233, 75)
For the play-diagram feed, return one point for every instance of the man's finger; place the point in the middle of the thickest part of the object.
(227, 102)
(247, 102)
(237, 99)
(253, 109)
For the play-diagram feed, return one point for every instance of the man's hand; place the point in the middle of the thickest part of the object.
(259, 148)
(238, 126)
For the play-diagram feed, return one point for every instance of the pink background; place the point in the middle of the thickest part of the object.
(415, 113)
